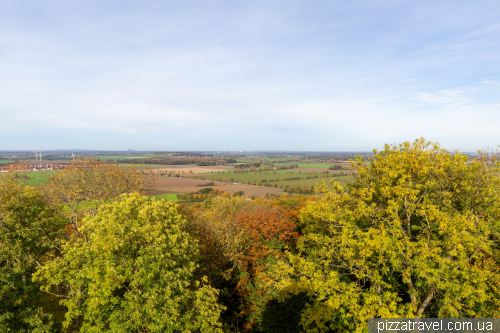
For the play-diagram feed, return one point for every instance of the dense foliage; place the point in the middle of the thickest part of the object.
(30, 233)
(131, 270)
(414, 235)
(242, 239)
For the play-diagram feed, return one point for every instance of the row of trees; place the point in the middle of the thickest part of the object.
(300, 189)
(201, 195)
(167, 160)
(415, 235)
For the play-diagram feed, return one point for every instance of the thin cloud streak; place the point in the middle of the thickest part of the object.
(447, 98)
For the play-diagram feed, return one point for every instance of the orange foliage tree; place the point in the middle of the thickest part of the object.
(268, 231)
(240, 241)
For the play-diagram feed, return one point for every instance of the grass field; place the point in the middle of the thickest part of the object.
(307, 165)
(38, 177)
(5, 161)
(283, 172)
(169, 196)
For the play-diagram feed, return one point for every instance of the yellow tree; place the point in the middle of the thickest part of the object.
(414, 236)
(30, 235)
(85, 184)
(132, 272)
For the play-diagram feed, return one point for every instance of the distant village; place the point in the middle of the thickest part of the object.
(39, 167)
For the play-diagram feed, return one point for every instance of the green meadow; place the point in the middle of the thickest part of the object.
(39, 177)
(168, 196)
(307, 165)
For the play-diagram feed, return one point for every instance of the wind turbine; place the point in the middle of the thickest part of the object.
(40, 155)
(73, 155)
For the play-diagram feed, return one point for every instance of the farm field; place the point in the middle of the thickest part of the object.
(252, 183)
(170, 185)
(39, 177)
(320, 170)
(296, 179)
(168, 196)
(5, 161)
(313, 165)
(179, 182)
(228, 169)
(306, 176)
(192, 168)
(250, 190)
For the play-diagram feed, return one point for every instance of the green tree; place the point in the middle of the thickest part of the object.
(30, 234)
(415, 236)
(132, 271)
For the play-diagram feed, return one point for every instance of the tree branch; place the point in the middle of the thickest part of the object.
(424, 304)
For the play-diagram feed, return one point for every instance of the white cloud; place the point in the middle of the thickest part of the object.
(447, 98)
(280, 76)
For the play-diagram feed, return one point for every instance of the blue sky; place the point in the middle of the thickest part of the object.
(258, 75)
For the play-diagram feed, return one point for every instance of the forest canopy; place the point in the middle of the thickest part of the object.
(415, 234)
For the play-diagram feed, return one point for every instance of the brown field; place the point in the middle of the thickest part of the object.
(258, 191)
(194, 168)
(185, 185)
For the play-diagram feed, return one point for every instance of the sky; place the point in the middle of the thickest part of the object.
(248, 75)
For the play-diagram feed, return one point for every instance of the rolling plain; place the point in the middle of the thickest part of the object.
(253, 175)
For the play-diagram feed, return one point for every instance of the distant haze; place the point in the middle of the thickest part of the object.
(257, 75)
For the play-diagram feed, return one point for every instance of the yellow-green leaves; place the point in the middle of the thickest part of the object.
(84, 185)
(132, 271)
(30, 234)
(415, 235)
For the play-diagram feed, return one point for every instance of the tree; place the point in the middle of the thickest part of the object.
(415, 236)
(241, 240)
(85, 184)
(132, 271)
(30, 235)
